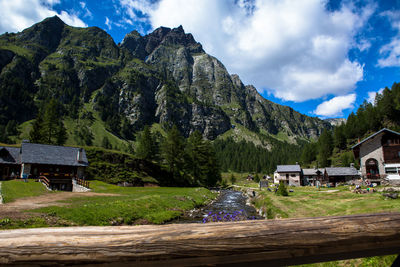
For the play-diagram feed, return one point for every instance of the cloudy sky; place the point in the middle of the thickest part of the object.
(323, 58)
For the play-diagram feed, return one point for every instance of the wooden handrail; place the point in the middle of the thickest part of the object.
(45, 180)
(263, 242)
(82, 182)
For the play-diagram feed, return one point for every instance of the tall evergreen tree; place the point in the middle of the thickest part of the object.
(339, 137)
(146, 145)
(325, 146)
(61, 134)
(106, 143)
(197, 153)
(173, 153)
(48, 127)
(36, 135)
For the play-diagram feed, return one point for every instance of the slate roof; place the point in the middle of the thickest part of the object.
(52, 155)
(375, 134)
(341, 171)
(12, 157)
(288, 168)
(312, 171)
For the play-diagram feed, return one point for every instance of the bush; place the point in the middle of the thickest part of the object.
(282, 190)
(233, 179)
(256, 178)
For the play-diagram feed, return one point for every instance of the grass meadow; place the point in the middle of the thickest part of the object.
(130, 205)
(14, 189)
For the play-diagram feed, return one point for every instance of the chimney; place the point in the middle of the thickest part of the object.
(79, 157)
(297, 163)
(351, 165)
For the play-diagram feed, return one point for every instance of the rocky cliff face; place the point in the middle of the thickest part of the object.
(164, 77)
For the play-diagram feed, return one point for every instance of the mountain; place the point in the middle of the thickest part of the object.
(162, 78)
(336, 121)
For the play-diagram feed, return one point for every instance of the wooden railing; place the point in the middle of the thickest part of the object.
(82, 182)
(45, 180)
(263, 242)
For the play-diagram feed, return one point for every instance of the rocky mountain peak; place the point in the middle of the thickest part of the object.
(46, 33)
(142, 46)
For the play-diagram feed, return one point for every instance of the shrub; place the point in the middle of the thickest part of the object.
(233, 179)
(282, 190)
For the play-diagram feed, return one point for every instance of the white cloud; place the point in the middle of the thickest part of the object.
(335, 106)
(372, 95)
(17, 15)
(364, 45)
(88, 13)
(108, 23)
(390, 53)
(295, 49)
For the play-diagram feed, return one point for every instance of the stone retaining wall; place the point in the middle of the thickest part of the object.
(1, 196)
(78, 188)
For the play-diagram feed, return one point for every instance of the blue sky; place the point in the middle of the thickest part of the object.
(323, 58)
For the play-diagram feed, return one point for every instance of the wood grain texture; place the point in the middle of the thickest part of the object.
(274, 242)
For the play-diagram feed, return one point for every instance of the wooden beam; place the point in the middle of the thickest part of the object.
(274, 242)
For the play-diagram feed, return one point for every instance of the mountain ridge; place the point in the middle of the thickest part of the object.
(163, 77)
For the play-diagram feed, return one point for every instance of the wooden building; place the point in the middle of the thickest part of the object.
(10, 162)
(335, 175)
(311, 176)
(379, 155)
(59, 164)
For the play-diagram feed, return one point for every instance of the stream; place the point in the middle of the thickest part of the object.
(230, 205)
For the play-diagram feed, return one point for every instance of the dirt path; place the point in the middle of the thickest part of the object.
(13, 210)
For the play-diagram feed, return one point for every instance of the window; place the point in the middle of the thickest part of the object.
(389, 170)
(293, 175)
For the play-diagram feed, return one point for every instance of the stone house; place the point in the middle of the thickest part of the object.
(57, 163)
(290, 174)
(379, 156)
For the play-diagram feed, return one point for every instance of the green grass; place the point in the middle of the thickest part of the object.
(35, 222)
(16, 49)
(14, 189)
(380, 261)
(309, 202)
(131, 205)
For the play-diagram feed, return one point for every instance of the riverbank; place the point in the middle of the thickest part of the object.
(106, 205)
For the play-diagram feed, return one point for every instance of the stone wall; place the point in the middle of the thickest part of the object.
(372, 148)
(78, 188)
(293, 181)
(1, 196)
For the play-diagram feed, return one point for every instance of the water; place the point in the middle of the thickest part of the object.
(229, 206)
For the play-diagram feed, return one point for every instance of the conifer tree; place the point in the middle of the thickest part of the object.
(61, 134)
(48, 127)
(106, 143)
(36, 135)
(146, 148)
(325, 145)
(173, 153)
(197, 156)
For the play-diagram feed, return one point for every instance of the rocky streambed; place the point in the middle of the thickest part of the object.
(230, 205)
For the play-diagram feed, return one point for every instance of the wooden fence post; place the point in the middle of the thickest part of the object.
(262, 242)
